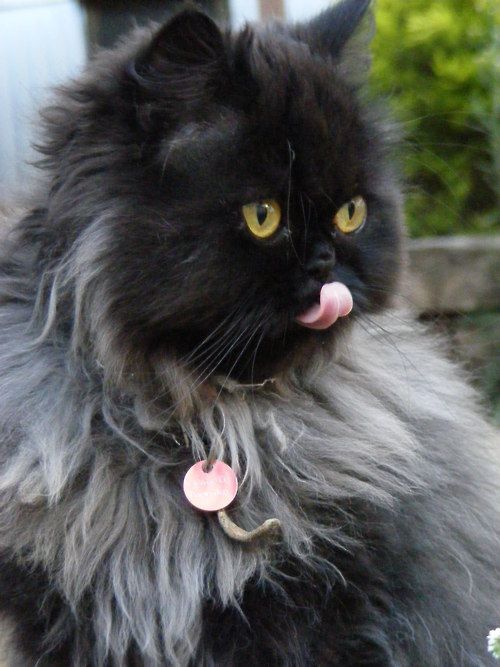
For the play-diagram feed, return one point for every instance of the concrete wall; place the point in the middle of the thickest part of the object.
(450, 274)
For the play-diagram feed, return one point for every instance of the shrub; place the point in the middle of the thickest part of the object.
(436, 63)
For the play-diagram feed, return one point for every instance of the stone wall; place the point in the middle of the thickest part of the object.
(454, 274)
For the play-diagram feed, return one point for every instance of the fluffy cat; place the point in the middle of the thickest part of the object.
(202, 188)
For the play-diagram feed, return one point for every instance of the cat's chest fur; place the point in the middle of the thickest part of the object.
(327, 454)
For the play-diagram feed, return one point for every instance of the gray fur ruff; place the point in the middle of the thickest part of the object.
(87, 492)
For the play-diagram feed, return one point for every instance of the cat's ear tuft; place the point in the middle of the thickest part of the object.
(341, 32)
(188, 45)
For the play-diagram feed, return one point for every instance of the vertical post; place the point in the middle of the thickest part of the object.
(271, 8)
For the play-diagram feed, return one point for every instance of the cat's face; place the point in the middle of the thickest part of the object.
(259, 179)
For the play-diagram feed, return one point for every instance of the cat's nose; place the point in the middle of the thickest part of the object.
(320, 264)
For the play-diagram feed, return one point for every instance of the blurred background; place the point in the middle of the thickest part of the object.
(436, 63)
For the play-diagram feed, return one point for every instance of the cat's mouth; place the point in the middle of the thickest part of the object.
(335, 300)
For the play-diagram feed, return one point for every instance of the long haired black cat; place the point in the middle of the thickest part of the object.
(215, 204)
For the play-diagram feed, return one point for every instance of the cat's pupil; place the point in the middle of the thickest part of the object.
(261, 213)
(350, 209)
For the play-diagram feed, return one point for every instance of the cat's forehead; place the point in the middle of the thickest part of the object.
(295, 112)
(300, 100)
(201, 140)
(293, 83)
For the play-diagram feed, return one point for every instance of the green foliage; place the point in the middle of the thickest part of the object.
(494, 643)
(438, 63)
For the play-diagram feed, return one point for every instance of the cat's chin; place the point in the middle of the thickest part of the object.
(283, 349)
(289, 339)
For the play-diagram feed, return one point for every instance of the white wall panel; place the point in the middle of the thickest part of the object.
(41, 45)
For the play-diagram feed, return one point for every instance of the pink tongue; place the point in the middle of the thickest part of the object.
(335, 301)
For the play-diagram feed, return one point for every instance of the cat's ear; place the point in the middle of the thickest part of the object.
(184, 56)
(342, 32)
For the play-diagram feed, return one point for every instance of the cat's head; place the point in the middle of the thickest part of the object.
(217, 181)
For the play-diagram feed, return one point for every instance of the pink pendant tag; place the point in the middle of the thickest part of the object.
(212, 490)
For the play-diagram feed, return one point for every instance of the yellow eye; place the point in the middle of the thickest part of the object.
(351, 215)
(262, 218)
